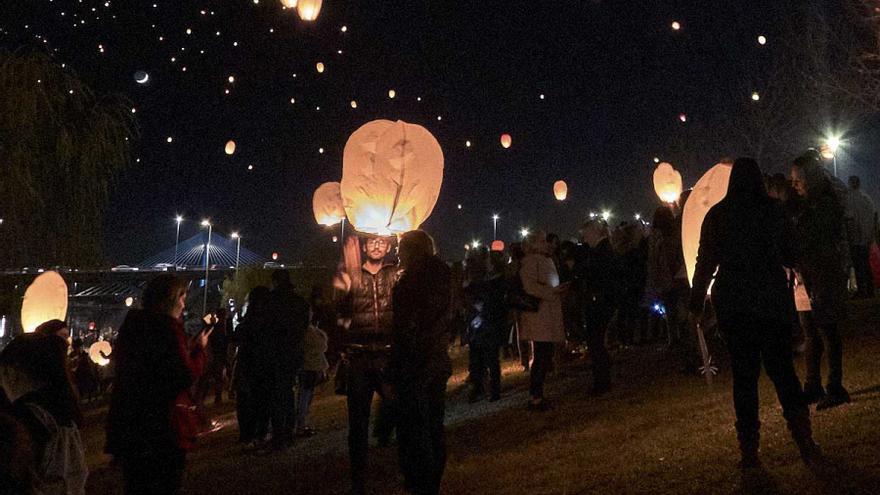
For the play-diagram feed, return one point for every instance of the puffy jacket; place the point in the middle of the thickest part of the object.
(372, 314)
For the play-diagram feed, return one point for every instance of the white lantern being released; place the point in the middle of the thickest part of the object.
(308, 10)
(710, 189)
(667, 183)
(391, 177)
(560, 190)
(99, 351)
(45, 299)
(327, 204)
(289, 4)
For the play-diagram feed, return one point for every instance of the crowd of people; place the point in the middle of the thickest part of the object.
(778, 251)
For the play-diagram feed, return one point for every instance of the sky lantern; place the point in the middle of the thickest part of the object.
(230, 147)
(710, 189)
(667, 183)
(676, 25)
(98, 351)
(289, 4)
(320, 67)
(560, 190)
(327, 204)
(391, 177)
(354, 104)
(392, 93)
(45, 299)
(762, 40)
(497, 246)
(308, 10)
(506, 140)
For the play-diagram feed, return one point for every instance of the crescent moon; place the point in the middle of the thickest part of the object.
(144, 80)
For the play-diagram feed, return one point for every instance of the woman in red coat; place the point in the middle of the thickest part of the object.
(151, 423)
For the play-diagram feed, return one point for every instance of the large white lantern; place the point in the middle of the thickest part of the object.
(327, 204)
(45, 299)
(98, 351)
(391, 177)
(308, 10)
(710, 189)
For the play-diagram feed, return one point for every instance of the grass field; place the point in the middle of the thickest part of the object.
(657, 432)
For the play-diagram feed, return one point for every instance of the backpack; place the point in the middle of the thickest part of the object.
(63, 461)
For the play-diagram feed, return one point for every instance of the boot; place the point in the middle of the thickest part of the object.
(836, 396)
(749, 442)
(813, 392)
(802, 432)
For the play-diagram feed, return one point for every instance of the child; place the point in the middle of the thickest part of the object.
(314, 372)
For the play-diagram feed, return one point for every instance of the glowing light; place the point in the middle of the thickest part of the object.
(320, 67)
(178, 218)
(542, 96)
(475, 244)
(98, 350)
(327, 204)
(230, 147)
(459, 207)
(683, 117)
(250, 167)
(637, 216)
(676, 25)
(467, 143)
(45, 299)
(656, 160)
(606, 215)
(129, 301)
(560, 190)
(755, 96)
(206, 223)
(354, 104)
(524, 232)
(231, 79)
(292, 101)
(506, 141)
(141, 77)
(392, 93)
(234, 235)
(308, 10)
(667, 183)
(289, 4)
(344, 29)
(169, 139)
(762, 40)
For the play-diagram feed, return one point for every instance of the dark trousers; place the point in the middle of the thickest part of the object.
(753, 341)
(815, 348)
(365, 378)
(308, 380)
(283, 410)
(159, 473)
(252, 410)
(483, 356)
(860, 256)
(540, 366)
(421, 437)
(597, 325)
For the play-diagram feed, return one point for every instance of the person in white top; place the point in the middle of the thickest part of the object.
(862, 223)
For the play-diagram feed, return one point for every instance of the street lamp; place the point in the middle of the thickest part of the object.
(237, 249)
(495, 218)
(829, 150)
(179, 219)
(206, 223)
(524, 232)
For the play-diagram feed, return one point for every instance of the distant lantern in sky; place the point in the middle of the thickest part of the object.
(506, 141)
(392, 93)
(289, 4)
(231, 79)
(250, 167)
(354, 104)
(320, 67)
(141, 77)
(656, 160)
(467, 143)
(676, 25)
(98, 352)
(667, 183)
(308, 10)
(230, 147)
(755, 96)
(762, 40)
(683, 117)
(344, 29)
(169, 139)
(560, 190)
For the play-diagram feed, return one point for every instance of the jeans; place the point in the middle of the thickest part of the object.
(815, 348)
(543, 352)
(365, 378)
(283, 410)
(753, 341)
(482, 357)
(307, 382)
(155, 473)
(421, 436)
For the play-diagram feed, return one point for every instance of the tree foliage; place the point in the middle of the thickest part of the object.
(61, 146)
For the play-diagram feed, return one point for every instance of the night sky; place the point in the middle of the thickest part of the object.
(615, 78)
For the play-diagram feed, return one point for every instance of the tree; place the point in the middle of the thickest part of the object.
(61, 146)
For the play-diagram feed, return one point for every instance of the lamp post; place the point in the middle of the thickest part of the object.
(495, 218)
(237, 249)
(206, 223)
(524, 232)
(829, 150)
(179, 219)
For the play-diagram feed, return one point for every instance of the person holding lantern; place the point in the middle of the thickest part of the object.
(366, 309)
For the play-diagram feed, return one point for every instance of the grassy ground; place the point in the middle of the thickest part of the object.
(657, 432)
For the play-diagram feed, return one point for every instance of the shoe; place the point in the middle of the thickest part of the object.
(833, 398)
(813, 392)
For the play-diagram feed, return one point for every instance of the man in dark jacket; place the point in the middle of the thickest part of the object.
(419, 365)
(291, 318)
(367, 342)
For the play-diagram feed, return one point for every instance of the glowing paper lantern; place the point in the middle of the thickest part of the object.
(320, 67)
(506, 141)
(667, 183)
(97, 349)
(392, 93)
(354, 104)
(44, 300)
(327, 204)
(560, 190)
(391, 177)
(497, 245)
(710, 189)
(290, 4)
(230, 147)
(308, 10)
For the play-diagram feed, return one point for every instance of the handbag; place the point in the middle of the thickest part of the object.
(185, 421)
(521, 300)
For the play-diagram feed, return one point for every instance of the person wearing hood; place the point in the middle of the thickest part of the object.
(823, 269)
(748, 240)
(597, 276)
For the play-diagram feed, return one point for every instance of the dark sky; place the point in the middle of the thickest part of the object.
(615, 76)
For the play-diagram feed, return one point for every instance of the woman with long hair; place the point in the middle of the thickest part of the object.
(151, 423)
(748, 240)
